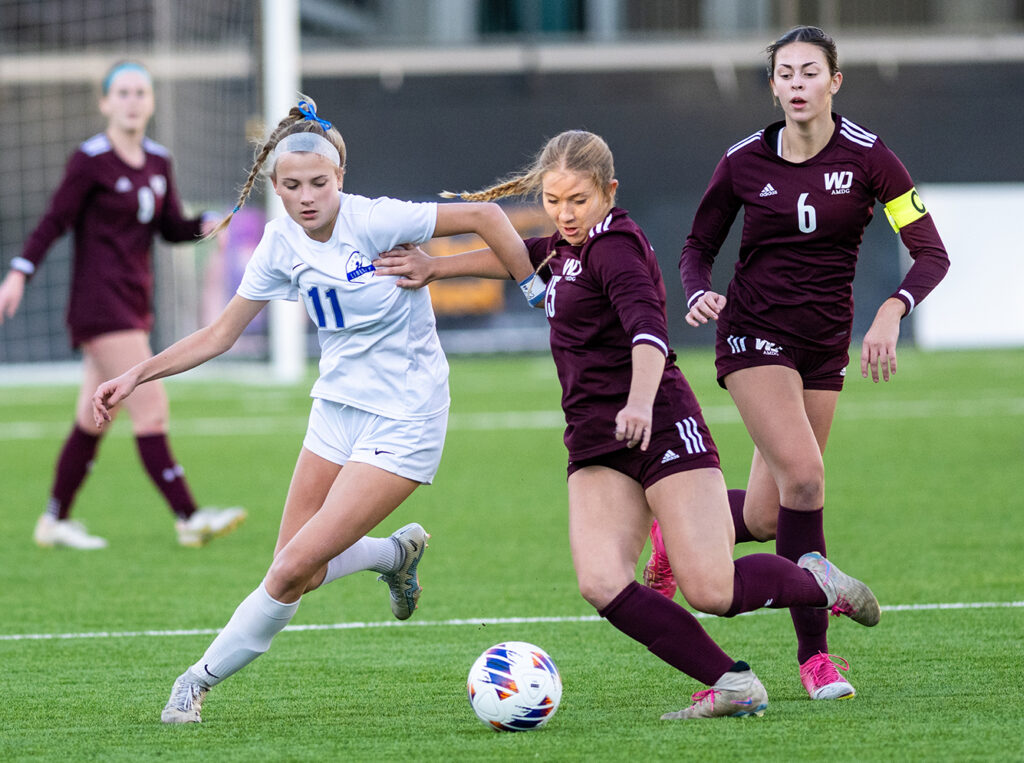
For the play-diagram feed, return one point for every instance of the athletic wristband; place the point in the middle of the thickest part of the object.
(534, 289)
(23, 266)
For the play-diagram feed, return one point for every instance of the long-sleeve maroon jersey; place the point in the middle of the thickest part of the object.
(802, 228)
(603, 297)
(115, 210)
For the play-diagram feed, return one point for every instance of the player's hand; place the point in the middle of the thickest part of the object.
(878, 350)
(410, 263)
(633, 424)
(707, 307)
(107, 397)
(12, 288)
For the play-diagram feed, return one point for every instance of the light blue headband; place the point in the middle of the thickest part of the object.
(127, 66)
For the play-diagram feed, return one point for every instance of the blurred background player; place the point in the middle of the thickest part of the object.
(807, 186)
(117, 193)
(605, 304)
(380, 406)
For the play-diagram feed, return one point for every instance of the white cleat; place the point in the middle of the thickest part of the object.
(403, 583)
(736, 694)
(845, 594)
(68, 533)
(186, 701)
(206, 524)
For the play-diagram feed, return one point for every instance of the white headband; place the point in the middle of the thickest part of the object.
(304, 142)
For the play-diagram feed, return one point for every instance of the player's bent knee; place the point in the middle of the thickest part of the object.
(599, 592)
(709, 599)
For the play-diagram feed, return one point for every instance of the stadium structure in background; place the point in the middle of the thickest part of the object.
(451, 94)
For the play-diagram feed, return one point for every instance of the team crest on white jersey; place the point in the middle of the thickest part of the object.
(357, 266)
(768, 190)
(838, 182)
(159, 184)
(571, 269)
(123, 185)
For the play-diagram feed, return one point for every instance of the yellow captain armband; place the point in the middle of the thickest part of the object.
(903, 210)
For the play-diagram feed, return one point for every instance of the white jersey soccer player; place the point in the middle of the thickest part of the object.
(379, 347)
(380, 405)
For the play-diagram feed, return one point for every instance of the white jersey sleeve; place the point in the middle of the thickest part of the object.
(268, 273)
(391, 222)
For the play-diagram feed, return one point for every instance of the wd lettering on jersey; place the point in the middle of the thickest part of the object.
(358, 265)
(768, 190)
(838, 182)
(766, 347)
(571, 269)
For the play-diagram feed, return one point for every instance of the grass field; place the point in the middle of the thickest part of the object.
(925, 477)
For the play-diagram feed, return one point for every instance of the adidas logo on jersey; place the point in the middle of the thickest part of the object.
(670, 455)
(768, 190)
(123, 185)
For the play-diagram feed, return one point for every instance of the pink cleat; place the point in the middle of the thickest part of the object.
(658, 572)
(821, 679)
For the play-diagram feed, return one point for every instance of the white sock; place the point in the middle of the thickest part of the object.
(377, 554)
(246, 636)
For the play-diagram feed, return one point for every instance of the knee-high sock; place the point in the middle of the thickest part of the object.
(73, 467)
(799, 532)
(377, 554)
(246, 636)
(736, 500)
(768, 580)
(668, 631)
(166, 473)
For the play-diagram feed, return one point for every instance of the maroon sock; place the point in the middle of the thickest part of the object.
(768, 580)
(167, 475)
(799, 532)
(668, 631)
(736, 500)
(73, 467)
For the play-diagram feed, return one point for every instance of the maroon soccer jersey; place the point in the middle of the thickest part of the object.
(115, 210)
(603, 297)
(802, 228)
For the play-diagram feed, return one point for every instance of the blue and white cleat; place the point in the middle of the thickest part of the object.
(738, 693)
(845, 594)
(403, 582)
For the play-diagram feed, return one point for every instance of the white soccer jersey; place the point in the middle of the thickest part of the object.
(379, 349)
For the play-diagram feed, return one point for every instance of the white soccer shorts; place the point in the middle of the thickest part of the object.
(410, 449)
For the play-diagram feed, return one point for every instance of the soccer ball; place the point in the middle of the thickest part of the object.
(514, 686)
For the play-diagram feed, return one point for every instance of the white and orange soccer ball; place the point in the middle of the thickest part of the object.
(514, 686)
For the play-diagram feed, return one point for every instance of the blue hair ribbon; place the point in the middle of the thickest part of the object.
(309, 113)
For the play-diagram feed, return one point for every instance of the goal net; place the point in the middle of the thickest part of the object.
(203, 57)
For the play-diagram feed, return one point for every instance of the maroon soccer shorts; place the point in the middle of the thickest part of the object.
(678, 447)
(817, 369)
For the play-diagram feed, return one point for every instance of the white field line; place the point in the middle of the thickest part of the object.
(455, 623)
(883, 410)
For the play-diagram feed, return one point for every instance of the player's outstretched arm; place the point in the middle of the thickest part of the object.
(488, 221)
(878, 350)
(193, 350)
(415, 268)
